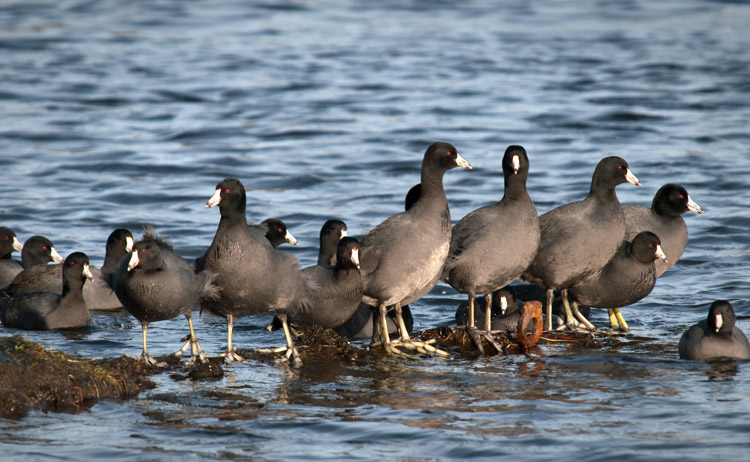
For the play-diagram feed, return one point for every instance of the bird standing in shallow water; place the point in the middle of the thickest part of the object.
(154, 284)
(253, 277)
(402, 258)
(491, 246)
(579, 238)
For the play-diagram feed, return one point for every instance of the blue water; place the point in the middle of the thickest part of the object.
(118, 114)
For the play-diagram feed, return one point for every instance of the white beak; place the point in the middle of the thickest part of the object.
(632, 178)
(660, 254)
(461, 162)
(55, 256)
(129, 244)
(87, 272)
(17, 244)
(215, 199)
(694, 207)
(719, 322)
(343, 234)
(134, 260)
(355, 257)
(503, 304)
(290, 239)
(516, 163)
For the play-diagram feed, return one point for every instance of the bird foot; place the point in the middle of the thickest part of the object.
(195, 349)
(291, 354)
(150, 361)
(232, 356)
(415, 347)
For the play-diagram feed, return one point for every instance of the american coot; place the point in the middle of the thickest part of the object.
(47, 310)
(627, 278)
(665, 219)
(331, 233)
(275, 231)
(156, 284)
(715, 336)
(491, 246)
(253, 278)
(402, 257)
(330, 294)
(36, 253)
(579, 238)
(504, 314)
(9, 268)
(97, 293)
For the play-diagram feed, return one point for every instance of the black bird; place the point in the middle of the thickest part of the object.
(402, 258)
(97, 293)
(36, 253)
(665, 219)
(330, 294)
(9, 268)
(715, 337)
(491, 246)
(275, 231)
(253, 277)
(627, 278)
(579, 238)
(47, 310)
(156, 284)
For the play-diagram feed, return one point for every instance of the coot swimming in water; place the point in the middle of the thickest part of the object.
(48, 310)
(715, 337)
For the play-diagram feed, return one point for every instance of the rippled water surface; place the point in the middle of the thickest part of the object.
(118, 114)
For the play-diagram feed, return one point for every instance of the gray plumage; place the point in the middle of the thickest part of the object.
(709, 340)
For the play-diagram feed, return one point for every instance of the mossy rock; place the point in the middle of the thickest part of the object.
(32, 376)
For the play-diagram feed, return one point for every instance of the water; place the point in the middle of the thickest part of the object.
(118, 114)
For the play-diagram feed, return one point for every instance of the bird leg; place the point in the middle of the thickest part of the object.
(406, 342)
(231, 354)
(470, 321)
(548, 314)
(488, 312)
(145, 357)
(290, 351)
(576, 313)
(616, 321)
(192, 341)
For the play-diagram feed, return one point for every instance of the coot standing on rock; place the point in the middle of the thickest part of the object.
(579, 238)
(47, 310)
(253, 278)
(491, 246)
(156, 284)
(402, 258)
(97, 293)
(627, 278)
(9, 268)
(715, 337)
(665, 219)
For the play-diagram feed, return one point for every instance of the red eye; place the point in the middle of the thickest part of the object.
(226, 191)
(619, 167)
(44, 247)
(335, 231)
(449, 154)
(280, 230)
(650, 246)
(78, 265)
(681, 196)
(6, 238)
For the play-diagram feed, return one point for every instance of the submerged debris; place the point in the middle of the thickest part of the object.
(34, 377)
